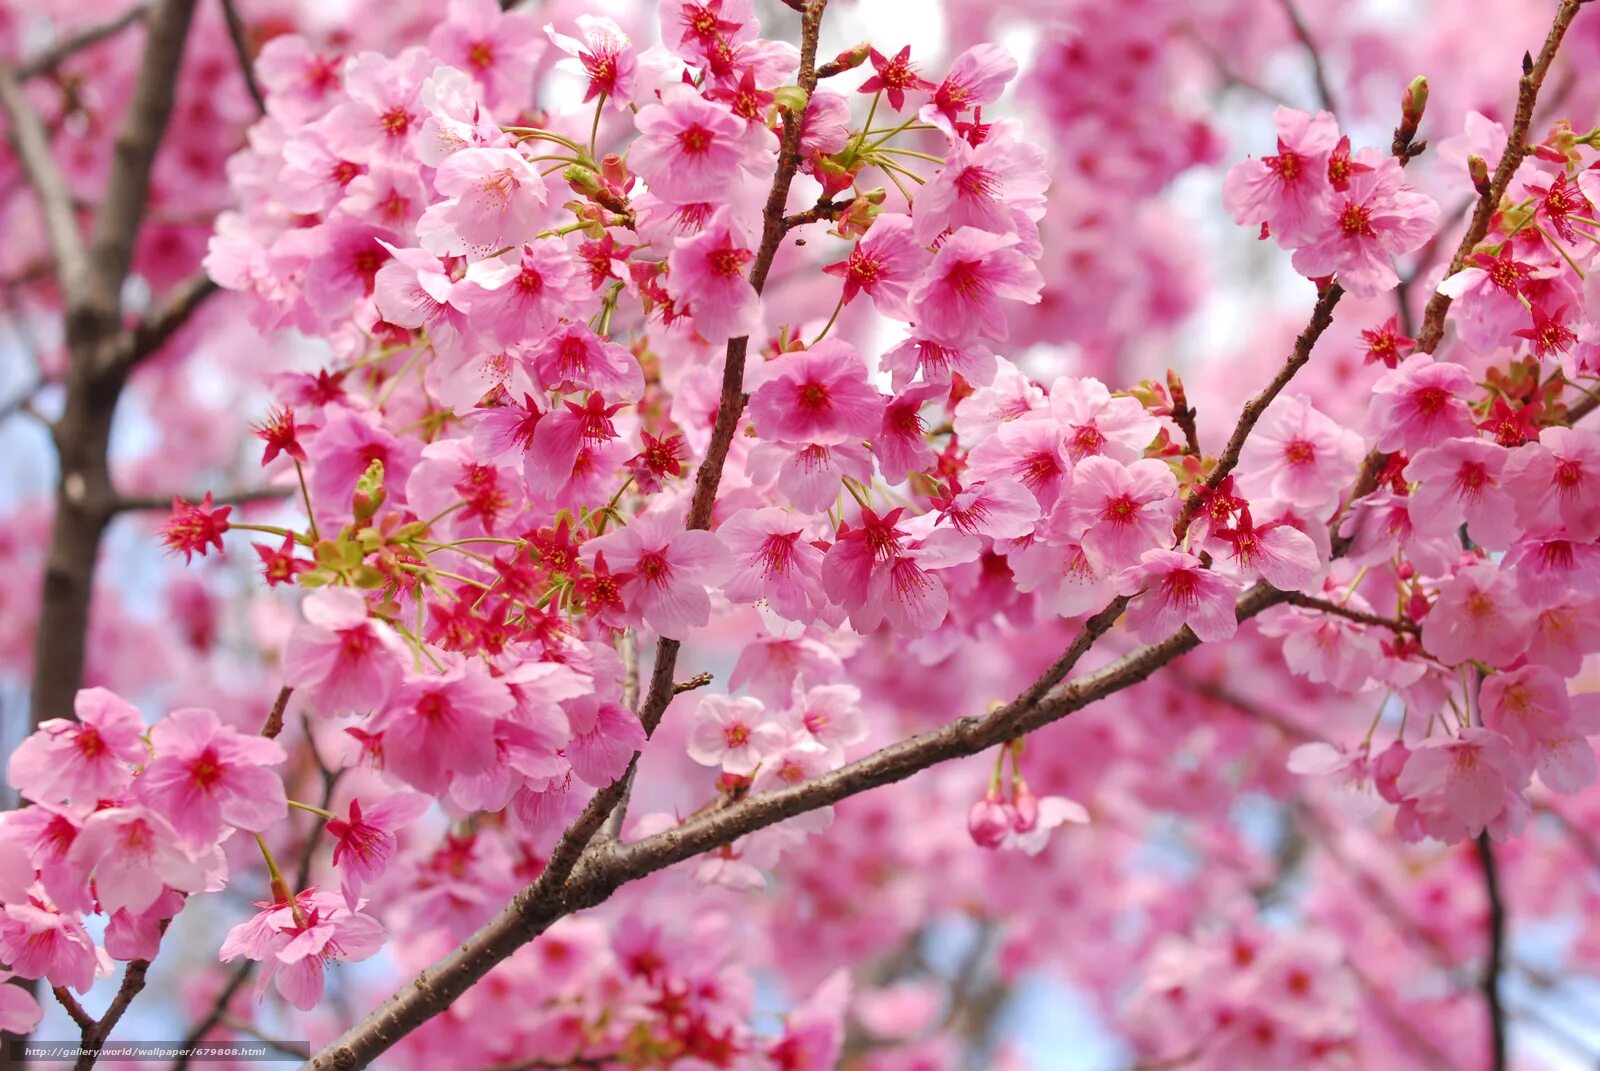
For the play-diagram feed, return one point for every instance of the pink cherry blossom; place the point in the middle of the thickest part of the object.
(37, 941)
(83, 760)
(1466, 784)
(1122, 510)
(959, 296)
(134, 854)
(707, 279)
(820, 395)
(345, 659)
(1170, 590)
(605, 58)
(669, 569)
(773, 562)
(438, 726)
(1557, 481)
(1299, 456)
(1461, 481)
(1478, 615)
(497, 47)
(297, 940)
(495, 199)
(690, 149)
(1286, 193)
(1361, 231)
(207, 776)
(1421, 403)
(364, 843)
(884, 265)
(733, 734)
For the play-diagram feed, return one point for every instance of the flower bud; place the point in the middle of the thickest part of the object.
(583, 181)
(988, 822)
(850, 58)
(1025, 808)
(1415, 101)
(790, 98)
(615, 171)
(1478, 168)
(1386, 771)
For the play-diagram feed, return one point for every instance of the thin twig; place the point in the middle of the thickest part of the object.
(1516, 149)
(274, 723)
(1321, 318)
(1497, 941)
(1319, 75)
(699, 680)
(161, 503)
(65, 998)
(241, 49)
(31, 141)
(51, 58)
(1327, 606)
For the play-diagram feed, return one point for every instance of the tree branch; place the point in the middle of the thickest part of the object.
(31, 142)
(161, 503)
(1516, 149)
(241, 49)
(116, 224)
(159, 324)
(1327, 606)
(47, 61)
(1497, 940)
(1318, 74)
(1321, 318)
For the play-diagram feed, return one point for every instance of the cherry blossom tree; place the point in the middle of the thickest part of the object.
(714, 535)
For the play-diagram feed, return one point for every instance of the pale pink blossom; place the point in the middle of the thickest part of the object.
(1299, 456)
(1556, 481)
(344, 659)
(1365, 227)
(1466, 784)
(1286, 193)
(134, 854)
(1479, 614)
(773, 562)
(296, 942)
(734, 734)
(1459, 482)
(494, 198)
(959, 297)
(84, 760)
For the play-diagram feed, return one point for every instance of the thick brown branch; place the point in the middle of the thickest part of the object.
(52, 57)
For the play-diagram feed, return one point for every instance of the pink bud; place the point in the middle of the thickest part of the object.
(1386, 771)
(988, 822)
(1025, 813)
